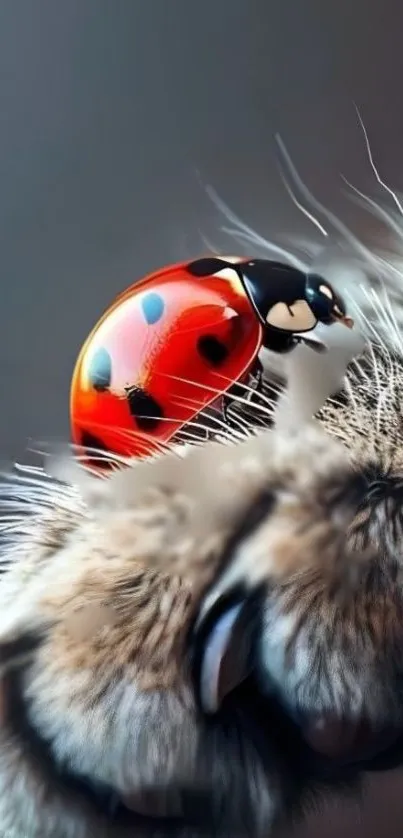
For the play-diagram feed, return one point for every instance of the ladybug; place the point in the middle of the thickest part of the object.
(181, 340)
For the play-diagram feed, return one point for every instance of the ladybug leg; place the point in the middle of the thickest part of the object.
(280, 342)
(257, 379)
(247, 393)
(313, 343)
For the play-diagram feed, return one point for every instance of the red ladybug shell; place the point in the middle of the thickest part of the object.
(164, 350)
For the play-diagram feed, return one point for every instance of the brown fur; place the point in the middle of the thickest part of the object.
(101, 585)
(112, 620)
(329, 555)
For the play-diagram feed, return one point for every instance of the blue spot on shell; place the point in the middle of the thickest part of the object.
(100, 370)
(153, 308)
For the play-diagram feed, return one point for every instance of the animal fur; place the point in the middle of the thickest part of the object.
(105, 583)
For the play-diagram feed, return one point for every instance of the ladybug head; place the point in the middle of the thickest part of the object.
(284, 298)
(327, 306)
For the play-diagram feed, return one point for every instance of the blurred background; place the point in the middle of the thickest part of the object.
(115, 114)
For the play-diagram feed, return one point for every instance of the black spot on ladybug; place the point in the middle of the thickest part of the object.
(212, 350)
(100, 370)
(95, 450)
(207, 267)
(92, 442)
(153, 308)
(144, 409)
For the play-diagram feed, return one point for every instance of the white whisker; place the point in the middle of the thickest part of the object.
(270, 247)
(218, 392)
(374, 167)
(303, 209)
(375, 208)
(208, 244)
(337, 224)
(257, 406)
(246, 233)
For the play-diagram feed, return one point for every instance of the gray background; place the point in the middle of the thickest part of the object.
(108, 108)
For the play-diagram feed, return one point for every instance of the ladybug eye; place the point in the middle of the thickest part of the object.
(324, 289)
